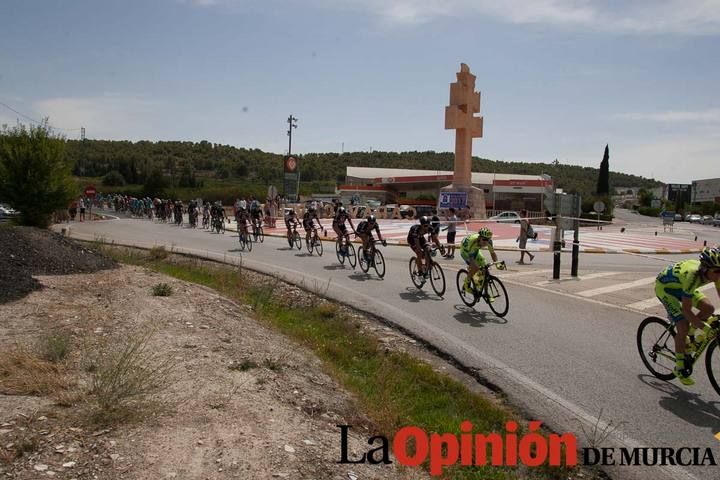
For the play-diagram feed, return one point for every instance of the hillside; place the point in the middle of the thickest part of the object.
(186, 163)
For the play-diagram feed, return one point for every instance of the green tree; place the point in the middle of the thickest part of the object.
(113, 179)
(35, 173)
(603, 184)
(155, 183)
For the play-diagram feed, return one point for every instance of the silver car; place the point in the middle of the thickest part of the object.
(506, 217)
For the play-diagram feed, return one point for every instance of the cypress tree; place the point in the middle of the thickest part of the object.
(603, 184)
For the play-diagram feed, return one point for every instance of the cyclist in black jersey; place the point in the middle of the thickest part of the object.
(309, 219)
(338, 224)
(242, 217)
(291, 222)
(417, 241)
(364, 231)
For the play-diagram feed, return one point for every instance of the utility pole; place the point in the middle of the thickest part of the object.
(292, 123)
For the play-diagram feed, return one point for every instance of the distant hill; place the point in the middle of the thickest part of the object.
(134, 160)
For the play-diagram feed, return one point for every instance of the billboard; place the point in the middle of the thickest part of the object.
(455, 200)
(291, 178)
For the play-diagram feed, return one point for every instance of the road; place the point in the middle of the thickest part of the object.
(565, 354)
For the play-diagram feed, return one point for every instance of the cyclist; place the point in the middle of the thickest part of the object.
(364, 231)
(242, 217)
(338, 224)
(206, 214)
(471, 251)
(677, 288)
(417, 241)
(255, 212)
(291, 223)
(309, 218)
(435, 232)
(217, 212)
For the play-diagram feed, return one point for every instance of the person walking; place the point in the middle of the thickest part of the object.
(522, 239)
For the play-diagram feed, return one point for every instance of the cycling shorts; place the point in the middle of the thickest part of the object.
(672, 304)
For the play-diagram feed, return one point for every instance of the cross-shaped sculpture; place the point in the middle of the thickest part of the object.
(460, 116)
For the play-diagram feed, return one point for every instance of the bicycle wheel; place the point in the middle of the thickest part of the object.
(379, 263)
(339, 253)
(297, 241)
(362, 260)
(317, 244)
(309, 243)
(468, 298)
(712, 364)
(261, 234)
(352, 258)
(417, 279)
(248, 242)
(656, 345)
(496, 296)
(437, 279)
(242, 241)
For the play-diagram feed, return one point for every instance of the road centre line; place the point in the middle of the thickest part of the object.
(614, 288)
(589, 276)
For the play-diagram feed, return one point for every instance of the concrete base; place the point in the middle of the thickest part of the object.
(475, 199)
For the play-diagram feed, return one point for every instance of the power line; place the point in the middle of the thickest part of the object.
(39, 123)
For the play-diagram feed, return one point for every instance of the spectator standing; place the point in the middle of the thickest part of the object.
(522, 239)
(452, 220)
(82, 209)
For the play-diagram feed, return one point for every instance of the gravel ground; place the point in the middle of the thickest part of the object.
(26, 251)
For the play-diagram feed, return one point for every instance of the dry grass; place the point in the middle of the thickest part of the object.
(22, 372)
(158, 253)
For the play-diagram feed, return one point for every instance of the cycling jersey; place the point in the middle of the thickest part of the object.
(680, 280)
(416, 236)
(435, 225)
(363, 228)
(470, 249)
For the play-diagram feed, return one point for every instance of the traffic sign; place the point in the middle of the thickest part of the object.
(599, 206)
(90, 191)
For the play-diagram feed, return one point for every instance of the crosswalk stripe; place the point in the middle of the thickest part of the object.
(589, 276)
(653, 302)
(524, 273)
(614, 288)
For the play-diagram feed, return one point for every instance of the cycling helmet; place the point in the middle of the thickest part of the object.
(341, 210)
(485, 233)
(371, 219)
(710, 257)
(424, 220)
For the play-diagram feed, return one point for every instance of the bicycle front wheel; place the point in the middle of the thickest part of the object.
(248, 242)
(352, 258)
(309, 244)
(379, 263)
(417, 279)
(261, 235)
(298, 241)
(712, 364)
(362, 260)
(496, 296)
(656, 345)
(339, 253)
(437, 279)
(318, 246)
(468, 298)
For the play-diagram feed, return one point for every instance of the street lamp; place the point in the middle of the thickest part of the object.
(292, 123)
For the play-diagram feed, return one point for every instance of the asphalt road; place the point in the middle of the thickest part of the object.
(563, 359)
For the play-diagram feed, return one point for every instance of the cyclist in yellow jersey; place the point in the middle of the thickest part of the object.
(471, 251)
(677, 287)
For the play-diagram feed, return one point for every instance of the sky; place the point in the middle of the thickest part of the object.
(559, 79)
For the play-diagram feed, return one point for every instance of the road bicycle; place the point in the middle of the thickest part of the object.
(245, 240)
(492, 290)
(218, 224)
(258, 234)
(345, 250)
(656, 345)
(314, 243)
(294, 238)
(372, 258)
(206, 221)
(432, 271)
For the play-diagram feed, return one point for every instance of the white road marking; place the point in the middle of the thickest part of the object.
(589, 276)
(654, 302)
(614, 288)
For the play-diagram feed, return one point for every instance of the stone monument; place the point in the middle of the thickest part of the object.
(460, 116)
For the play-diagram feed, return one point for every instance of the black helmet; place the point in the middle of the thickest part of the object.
(371, 219)
(424, 220)
(341, 210)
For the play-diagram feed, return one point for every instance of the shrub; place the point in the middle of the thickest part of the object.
(158, 253)
(113, 179)
(55, 347)
(162, 290)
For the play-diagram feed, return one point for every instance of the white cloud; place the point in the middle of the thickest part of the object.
(705, 116)
(111, 116)
(637, 16)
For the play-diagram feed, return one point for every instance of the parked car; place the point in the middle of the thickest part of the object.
(423, 210)
(678, 217)
(716, 221)
(694, 218)
(707, 220)
(506, 217)
(6, 211)
(406, 211)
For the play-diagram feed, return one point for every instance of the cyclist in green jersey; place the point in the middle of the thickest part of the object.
(471, 251)
(677, 287)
